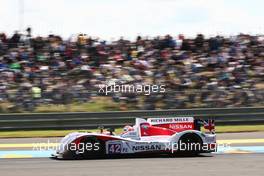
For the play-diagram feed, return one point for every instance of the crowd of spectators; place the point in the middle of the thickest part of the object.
(197, 72)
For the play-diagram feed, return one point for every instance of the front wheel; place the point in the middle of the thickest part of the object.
(86, 148)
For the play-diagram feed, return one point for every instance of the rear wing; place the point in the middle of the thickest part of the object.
(179, 124)
(174, 123)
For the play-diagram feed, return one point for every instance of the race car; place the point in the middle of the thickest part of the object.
(169, 136)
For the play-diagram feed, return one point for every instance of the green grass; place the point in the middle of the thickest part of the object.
(59, 133)
(239, 128)
(44, 133)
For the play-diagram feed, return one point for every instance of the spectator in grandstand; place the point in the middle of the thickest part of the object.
(200, 72)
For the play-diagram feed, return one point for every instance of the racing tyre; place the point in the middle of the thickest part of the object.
(190, 144)
(89, 147)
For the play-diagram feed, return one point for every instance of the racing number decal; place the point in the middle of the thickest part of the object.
(114, 148)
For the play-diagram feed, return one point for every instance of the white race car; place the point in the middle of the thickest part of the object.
(170, 136)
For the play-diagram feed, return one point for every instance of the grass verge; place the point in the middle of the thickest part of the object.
(239, 128)
(60, 133)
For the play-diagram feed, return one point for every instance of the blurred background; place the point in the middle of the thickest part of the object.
(55, 54)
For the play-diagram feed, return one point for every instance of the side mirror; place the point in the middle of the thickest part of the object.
(111, 130)
(101, 128)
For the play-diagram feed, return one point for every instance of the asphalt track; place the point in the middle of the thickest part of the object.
(220, 136)
(217, 165)
(240, 164)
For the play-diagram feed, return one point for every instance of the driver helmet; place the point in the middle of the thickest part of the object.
(128, 128)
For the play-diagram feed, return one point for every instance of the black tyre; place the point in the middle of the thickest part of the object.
(190, 144)
(89, 147)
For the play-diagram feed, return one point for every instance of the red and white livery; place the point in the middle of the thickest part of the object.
(152, 136)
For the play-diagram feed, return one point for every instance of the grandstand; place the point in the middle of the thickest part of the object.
(200, 72)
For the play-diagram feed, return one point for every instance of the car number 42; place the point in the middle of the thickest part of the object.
(114, 148)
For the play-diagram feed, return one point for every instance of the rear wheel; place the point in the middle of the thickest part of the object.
(190, 144)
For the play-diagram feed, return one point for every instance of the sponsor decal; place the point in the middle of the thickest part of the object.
(169, 120)
(147, 147)
(130, 134)
(181, 126)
